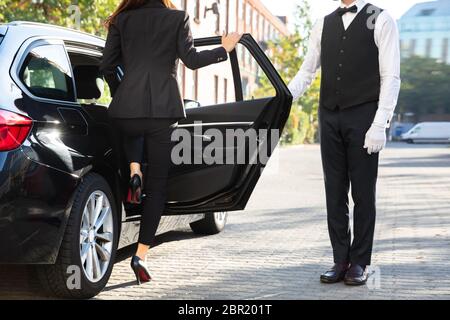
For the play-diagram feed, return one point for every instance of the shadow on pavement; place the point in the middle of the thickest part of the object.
(21, 282)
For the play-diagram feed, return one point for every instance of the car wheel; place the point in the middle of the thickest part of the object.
(87, 253)
(410, 141)
(212, 223)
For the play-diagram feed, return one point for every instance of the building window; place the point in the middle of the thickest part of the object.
(412, 47)
(225, 90)
(426, 12)
(245, 87)
(240, 9)
(263, 28)
(255, 22)
(195, 87)
(445, 44)
(216, 89)
(428, 47)
(227, 17)
(197, 11)
(248, 16)
(403, 47)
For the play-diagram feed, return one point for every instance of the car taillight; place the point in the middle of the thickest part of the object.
(14, 129)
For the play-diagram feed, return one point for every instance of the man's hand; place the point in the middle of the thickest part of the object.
(375, 139)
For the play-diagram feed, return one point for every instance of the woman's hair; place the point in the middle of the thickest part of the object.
(133, 4)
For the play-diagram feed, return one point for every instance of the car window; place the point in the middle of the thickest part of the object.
(255, 83)
(207, 86)
(416, 129)
(89, 82)
(47, 74)
(215, 84)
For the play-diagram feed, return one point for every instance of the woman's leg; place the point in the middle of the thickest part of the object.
(159, 147)
(134, 149)
(132, 131)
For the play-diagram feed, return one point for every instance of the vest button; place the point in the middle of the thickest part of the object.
(338, 78)
(340, 65)
(338, 92)
(344, 38)
(342, 51)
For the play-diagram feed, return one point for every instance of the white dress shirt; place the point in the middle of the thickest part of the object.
(387, 40)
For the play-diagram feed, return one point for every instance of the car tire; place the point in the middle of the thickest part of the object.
(212, 223)
(410, 141)
(71, 277)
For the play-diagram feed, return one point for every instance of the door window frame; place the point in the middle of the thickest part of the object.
(80, 48)
(258, 56)
(20, 59)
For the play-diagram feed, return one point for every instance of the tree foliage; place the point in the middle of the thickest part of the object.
(425, 87)
(287, 54)
(90, 13)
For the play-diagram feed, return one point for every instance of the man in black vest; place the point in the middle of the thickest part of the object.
(357, 47)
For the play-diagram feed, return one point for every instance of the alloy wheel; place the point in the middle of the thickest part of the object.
(96, 236)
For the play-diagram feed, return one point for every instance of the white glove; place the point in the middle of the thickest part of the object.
(375, 139)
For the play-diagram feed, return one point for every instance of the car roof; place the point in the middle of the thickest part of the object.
(26, 29)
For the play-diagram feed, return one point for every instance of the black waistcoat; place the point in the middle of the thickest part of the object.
(349, 58)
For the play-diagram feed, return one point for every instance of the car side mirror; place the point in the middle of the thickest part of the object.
(191, 104)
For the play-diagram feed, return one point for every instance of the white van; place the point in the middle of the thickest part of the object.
(437, 132)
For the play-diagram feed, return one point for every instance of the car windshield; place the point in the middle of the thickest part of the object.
(416, 129)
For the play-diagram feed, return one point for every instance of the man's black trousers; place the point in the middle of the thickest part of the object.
(346, 163)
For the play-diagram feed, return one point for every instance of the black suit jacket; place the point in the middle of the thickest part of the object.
(148, 42)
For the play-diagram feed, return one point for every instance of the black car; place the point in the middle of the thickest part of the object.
(62, 186)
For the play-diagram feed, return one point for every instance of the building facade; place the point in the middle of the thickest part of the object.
(212, 18)
(425, 31)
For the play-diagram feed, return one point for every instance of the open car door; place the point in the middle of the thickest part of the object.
(245, 94)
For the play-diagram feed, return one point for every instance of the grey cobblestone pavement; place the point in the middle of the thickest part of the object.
(278, 247)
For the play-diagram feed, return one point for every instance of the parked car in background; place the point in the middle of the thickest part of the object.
(62, 183)
(428, 132)
(399, 128)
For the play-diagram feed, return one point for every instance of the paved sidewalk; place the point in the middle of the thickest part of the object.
(278, 247)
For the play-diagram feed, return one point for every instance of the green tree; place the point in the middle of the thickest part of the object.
(425, 86)
(287, 54)
(60, 12)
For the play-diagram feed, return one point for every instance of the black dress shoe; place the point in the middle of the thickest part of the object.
(356, 276)
(336, 274)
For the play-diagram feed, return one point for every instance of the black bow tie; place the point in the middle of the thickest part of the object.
(342, 11)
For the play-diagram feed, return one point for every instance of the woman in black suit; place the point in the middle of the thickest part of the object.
(147, 38)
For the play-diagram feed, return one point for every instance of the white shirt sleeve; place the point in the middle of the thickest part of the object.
(387, 40)
(311, 64)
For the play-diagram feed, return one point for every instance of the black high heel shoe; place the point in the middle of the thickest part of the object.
(135, 191)
(140, 270)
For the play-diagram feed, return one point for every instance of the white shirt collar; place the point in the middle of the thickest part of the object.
(359, 3)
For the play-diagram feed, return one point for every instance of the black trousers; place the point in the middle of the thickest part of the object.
(154, 136)
(346, 163)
